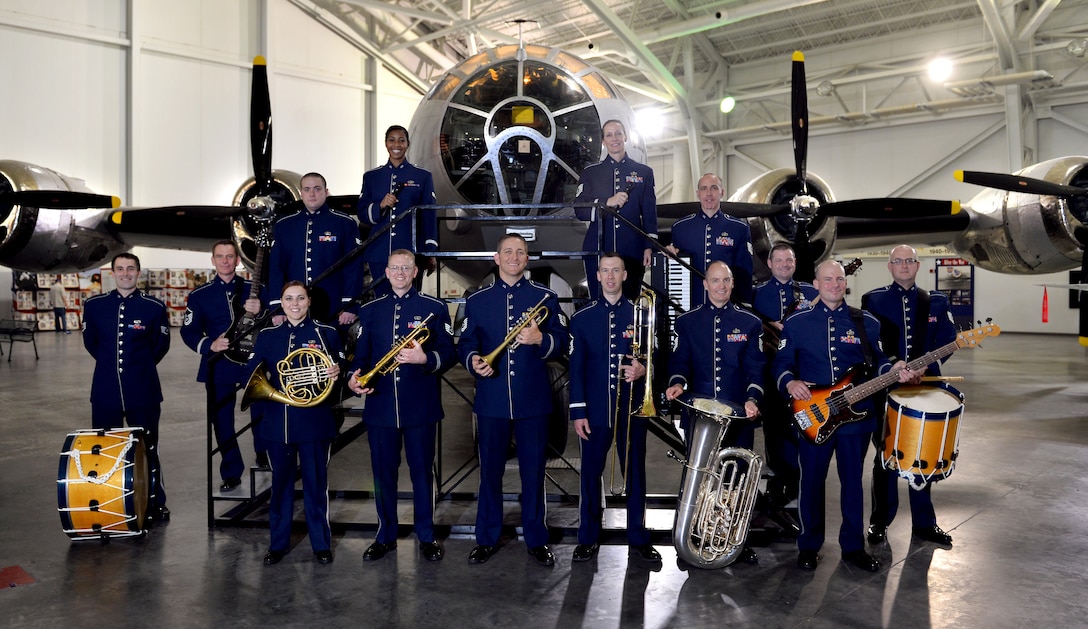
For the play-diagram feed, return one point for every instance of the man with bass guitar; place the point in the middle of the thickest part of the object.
(209, 315)
(823, 345)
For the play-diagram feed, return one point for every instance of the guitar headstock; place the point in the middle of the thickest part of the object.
(852, 266)
(971, 338)
(263, 238)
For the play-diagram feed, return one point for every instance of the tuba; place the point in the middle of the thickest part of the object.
(537, 313)
(388, 363)
(303, 374)
(718, 491)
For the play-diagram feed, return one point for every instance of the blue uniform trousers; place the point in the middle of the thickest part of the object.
(312, 457)
(146, 417)
(849, 450)
(419, 450)
(594, 464)
(531, 434)
(886, 485)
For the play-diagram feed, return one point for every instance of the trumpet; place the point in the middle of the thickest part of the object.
(388, 363)
(642, 348)
(537, 313)
(303, 374)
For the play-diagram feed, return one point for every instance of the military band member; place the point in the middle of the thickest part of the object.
(391, 190)
(602, 371)
(712, 235)
(298, 438)
(776, 299)
(127, 332)
(819, 346)
(209, 315)
(307, 243)
(513, 396)
(913, 321)
(619, 182)
(406, 404)
(719, 355)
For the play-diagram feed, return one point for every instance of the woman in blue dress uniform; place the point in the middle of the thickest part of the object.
(295, 435)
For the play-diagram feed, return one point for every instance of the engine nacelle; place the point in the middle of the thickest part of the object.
(780, 186)
(57, 241)
(243, 228)
(1013, 232)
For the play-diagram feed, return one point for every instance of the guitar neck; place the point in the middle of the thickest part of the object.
(258, 269)
(865, 389)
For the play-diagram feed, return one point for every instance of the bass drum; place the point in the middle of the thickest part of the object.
(102, 484)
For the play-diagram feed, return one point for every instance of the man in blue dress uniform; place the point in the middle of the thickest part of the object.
(602, 373)
(512, 396)
(719, 355)
(776, 299)
(712, 235)
(405, 404)
(390, 191)
(209, 315)
(307, 243)
(127, 332)
(819, 346)
(619, 182)
(913, 321)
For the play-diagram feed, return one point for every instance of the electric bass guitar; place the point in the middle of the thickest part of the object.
(246, 325)
(831, 407)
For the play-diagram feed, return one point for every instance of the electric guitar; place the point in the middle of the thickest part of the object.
(772, 335)
(244, 330)
(831, 407)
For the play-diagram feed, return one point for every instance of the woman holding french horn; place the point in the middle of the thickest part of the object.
(295, 365)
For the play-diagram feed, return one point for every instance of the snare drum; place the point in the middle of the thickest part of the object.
(102, 483)
(921, 435)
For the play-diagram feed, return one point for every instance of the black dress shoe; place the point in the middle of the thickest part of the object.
(862, 560)
(323, 556)
(262, 459)
(229, 484)
(647, 552)
(808, 559)
(159, 514)
(748, 556)
(542, 555)
(377, 550)
(274, 557)
(585, 552)
(431, 551)
(482, 553)
(877, 533)
(933, 534)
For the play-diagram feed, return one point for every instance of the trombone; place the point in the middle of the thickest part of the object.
(642, 349)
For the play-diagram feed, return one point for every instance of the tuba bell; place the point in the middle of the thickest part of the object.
(303, 374)
(718, 491)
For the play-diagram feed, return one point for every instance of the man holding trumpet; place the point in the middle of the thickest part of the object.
(519, 322)
(603, 370)
(407, 338)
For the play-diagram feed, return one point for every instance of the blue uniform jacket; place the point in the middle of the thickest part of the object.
(715, 238)
(520, 387)
(606, 178)
(820, 345)
(288, 424)
(305, 244)
(775, 300)
(719, 354)
(411, 395)
(602, 334)
(418, 189)
(127, 337)
(209, 314)
(897, 307)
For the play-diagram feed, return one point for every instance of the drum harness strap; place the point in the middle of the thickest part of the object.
(858, 317)
(920, 324)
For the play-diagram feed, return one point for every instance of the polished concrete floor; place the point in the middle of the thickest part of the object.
(1015, 506)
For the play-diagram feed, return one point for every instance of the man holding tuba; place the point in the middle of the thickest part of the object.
(602, 375)
(407, 338)
(719, 355)
(303, 357)
(511, 329)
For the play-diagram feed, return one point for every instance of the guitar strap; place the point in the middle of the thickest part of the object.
(921, 324)
(858, 317)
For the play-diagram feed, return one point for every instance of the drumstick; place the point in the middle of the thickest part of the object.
(942, 378)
